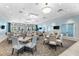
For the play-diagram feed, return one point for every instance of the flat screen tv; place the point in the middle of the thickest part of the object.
(40, 28)
(56, 27)
(2, 27)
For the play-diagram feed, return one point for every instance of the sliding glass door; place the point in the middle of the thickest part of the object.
(68, 29)
(63, 29)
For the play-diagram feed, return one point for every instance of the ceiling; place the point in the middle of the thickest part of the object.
(19, 12)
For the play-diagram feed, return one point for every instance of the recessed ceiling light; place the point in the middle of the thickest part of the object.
(59, 10)
(7, 6)
(20, 11)
(44, 17)
(31, 15)
(46, 10)
(36, 3)
(23, 8)
(27, 21)
(31, 20)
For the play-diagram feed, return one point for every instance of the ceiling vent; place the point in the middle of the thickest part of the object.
(59, 10)
(20, 11)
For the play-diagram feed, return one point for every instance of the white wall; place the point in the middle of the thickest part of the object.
(74, 20)
(5, 23)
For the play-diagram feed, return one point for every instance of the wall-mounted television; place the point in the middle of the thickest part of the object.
(2, 27)
(40, 27)
(56, 27)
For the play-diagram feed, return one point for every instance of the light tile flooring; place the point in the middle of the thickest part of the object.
(72, 51)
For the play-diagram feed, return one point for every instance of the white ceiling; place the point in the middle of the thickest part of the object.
(19, 12)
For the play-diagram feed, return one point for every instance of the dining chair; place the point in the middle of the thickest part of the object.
(53, 44)
(45, 41)
(16, 45)
(60, 40)
(44, 35)
(32, 45)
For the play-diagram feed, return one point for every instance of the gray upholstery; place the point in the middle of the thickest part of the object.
(60, 40)
(15, 43)
(33, 43)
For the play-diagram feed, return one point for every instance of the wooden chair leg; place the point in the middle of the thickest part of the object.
(61, 45)
(35, 48)
(12, 51)
(49, 47)
(9, 41)
(55, 47)
(17, 52)
(43, 43)
(32, 51)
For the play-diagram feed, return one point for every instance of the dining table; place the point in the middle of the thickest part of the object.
(26, 39)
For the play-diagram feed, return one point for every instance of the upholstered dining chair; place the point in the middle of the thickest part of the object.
(60, 40)
(16, 45)
(45, 41)
(53, 44)
(32, 45)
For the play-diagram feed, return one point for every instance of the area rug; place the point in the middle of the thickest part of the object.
(42, 50)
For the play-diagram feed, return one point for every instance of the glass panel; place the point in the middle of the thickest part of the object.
(70, 30)
(63, 29)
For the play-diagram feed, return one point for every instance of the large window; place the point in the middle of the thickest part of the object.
(63, 29)
(68, 29)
